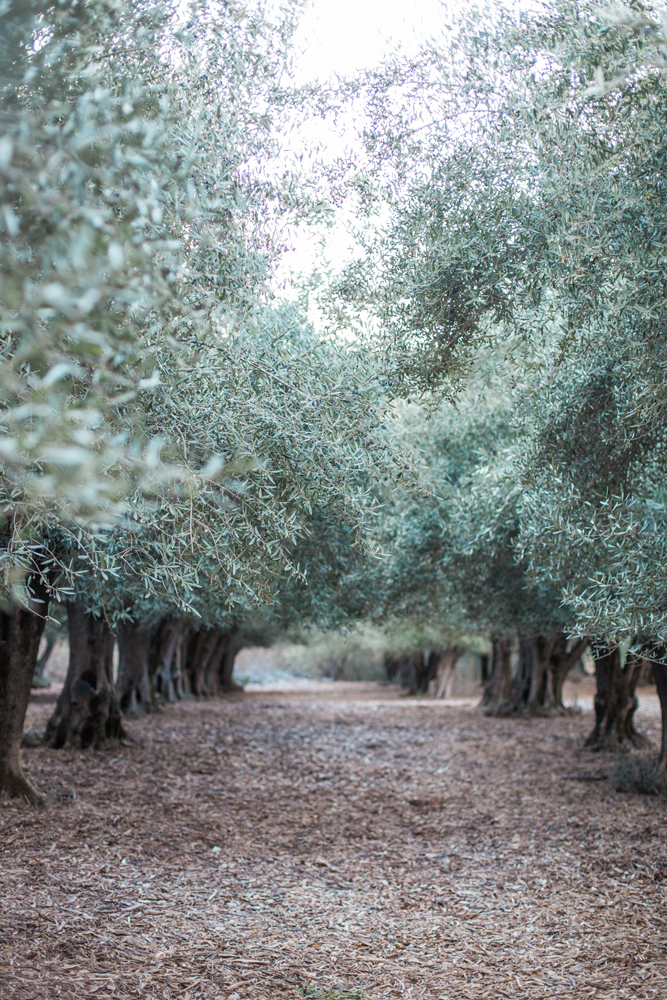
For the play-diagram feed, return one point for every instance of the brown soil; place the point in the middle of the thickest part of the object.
(279, 845)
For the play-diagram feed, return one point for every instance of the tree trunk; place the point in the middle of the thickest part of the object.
(209, 662)
(484, 667)
(411, 671)
(39, 680)
(560, 666)
(202, 664)
(520, 686)
(658, 654)
(404, 667)
(168, 671)
(216, 664)
(542, 647)
(615, 701)
(133, 686)
(87, 712)
(432, 658)
(445, 670)
(422, 671)
(392, 665)
(498, 686)
(20, 633)
(227, 682)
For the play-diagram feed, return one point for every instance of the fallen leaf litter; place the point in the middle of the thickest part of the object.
(271, 843)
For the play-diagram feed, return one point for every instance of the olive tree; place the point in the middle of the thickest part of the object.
(83, 168)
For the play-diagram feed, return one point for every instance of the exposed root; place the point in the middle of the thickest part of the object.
(15, 785)
(610, 743)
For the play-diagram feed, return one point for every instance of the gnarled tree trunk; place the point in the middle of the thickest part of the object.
(202, 646)
(520, 686)
(133, 686)
(209, 662)
(542, 659)
(168, 668)
(542, 647)
(422, 671)
(615, 700)
(226, 667)
(216, 664)
(498, 687)
(392, 664)
(87, 712)
(20, 633)
(410, 670)
(445, 669)
(561, 663)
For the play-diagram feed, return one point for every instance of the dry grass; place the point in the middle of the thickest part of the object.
(638, 773)
(279, 846)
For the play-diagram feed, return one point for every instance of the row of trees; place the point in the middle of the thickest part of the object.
(185, 463)
(173, 433)
(523, 163)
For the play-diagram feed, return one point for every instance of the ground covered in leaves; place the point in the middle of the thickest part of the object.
(334, 841)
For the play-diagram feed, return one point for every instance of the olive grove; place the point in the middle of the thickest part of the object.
(475, 436)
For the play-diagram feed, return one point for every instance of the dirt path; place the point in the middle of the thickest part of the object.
(278, 845)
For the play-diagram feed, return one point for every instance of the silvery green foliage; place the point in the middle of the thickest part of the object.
(595, 472)
(292, 433)
(204, 411)
(524, 160)
(84, 171)
(451, 556)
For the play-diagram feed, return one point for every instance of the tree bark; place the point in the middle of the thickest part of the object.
(560, 666)
(87, 712)
(411, 670)
(422, 672)
(205, 646)
(445, 670)
(520, 686)
(133, 686)
(400, 667)
(498, 687)
(431, 660)
(168, 672)
(216, 664)
(38, 680)
(615, 700)
(226, 670)
(542, 647)
(215, 682)
(20, 633)
(658, 654)
(392, 665)
(209, 662)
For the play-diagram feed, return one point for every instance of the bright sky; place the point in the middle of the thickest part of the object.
(341, 36)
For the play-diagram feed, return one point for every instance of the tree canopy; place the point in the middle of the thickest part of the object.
(521, 160)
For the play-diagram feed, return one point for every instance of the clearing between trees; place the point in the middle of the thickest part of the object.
(339, 841)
